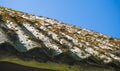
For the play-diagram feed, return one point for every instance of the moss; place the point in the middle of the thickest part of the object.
(16, 17)
(47, 65)
(101, 51)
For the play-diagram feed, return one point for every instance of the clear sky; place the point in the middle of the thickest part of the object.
(99, 15)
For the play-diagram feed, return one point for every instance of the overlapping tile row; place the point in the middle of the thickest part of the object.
(25, 32)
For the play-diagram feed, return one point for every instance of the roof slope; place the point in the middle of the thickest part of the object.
(26, 32)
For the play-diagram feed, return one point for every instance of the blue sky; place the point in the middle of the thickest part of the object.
(99, 15)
